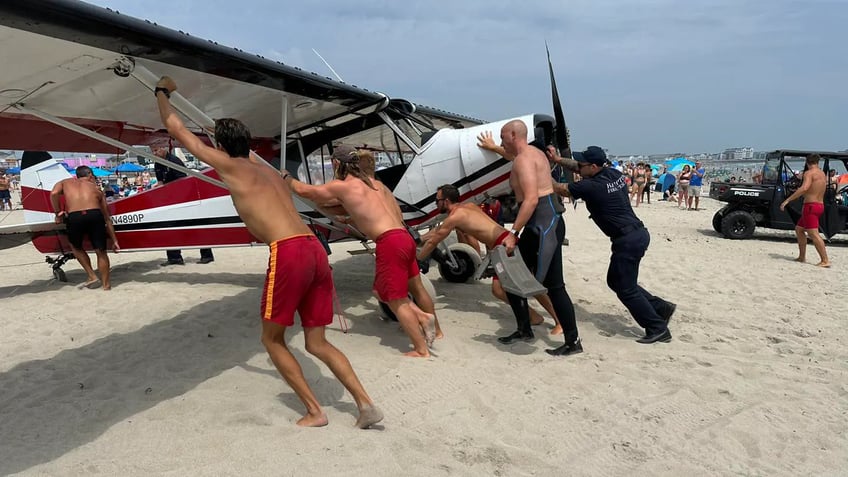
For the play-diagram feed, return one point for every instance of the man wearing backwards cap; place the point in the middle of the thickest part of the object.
(605, 193)
(372, 211)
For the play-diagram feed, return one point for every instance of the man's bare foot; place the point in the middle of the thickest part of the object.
(439, 334)
(416, 354)
(310, 420)
(429, 326)
(90, 283)
(823, 264)
(801, 260)
(557, 330)
(107, 286)
(538, 321)
(368, 416)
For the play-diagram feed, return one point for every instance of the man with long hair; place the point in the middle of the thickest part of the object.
(373, 212)
(298, 277)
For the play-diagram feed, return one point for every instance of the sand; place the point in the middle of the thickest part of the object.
(165, 374)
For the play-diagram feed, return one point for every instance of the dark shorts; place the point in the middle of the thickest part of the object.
(810, 215)
(87, 223)
(396, 264)
(5, 194)
(298, 279)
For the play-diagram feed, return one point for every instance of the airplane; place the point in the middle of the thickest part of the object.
(80, 78)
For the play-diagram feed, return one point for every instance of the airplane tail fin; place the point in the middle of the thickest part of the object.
(39, 173)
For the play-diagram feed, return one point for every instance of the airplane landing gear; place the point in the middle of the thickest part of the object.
(57, 263)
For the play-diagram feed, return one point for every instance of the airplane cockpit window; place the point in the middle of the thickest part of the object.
(320, 170)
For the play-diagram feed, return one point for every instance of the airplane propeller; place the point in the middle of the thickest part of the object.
(562, 138)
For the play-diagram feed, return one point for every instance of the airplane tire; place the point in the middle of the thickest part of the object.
(467, 260)
(738, 225)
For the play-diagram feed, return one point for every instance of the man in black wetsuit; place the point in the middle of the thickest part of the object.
(541, 226)
(605, 193)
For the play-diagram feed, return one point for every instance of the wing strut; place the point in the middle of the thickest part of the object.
(114, 142)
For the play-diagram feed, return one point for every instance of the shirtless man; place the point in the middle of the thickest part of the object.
(812, 188)
(5, 195)
(539, 216)
(471, 220)
(416, 286)
(86, 214)
(299, 276)
(373, 212)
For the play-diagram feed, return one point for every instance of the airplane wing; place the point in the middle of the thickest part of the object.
(81, 62)
(19, 234)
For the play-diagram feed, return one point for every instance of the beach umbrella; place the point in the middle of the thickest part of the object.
(129, 167)
(98, 172)
(13, 170)
(679, 167)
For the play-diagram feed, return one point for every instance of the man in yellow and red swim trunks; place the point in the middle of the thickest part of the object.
(299, 275)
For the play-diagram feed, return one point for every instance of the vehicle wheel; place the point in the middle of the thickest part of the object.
(717, 222)
(59, 274)
(738, 225)
(428, 285)
(467, 261)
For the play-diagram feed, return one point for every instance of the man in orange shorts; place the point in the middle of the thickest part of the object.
(298, 272)
(373, 212)
(812, 188)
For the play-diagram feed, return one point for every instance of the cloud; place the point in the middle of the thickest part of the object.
(636, 76)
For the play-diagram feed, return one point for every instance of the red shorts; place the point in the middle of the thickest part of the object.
(298, 279)
(499, 241)
(810, 215)
(396, 264)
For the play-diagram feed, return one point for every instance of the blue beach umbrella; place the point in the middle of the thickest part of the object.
(129, 167)
(13, 170)
(98, 172)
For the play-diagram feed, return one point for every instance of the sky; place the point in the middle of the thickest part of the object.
(636, 77)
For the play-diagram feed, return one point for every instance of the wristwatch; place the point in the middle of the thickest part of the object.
(164, 90)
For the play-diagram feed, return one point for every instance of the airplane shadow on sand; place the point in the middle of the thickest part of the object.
(120, 375)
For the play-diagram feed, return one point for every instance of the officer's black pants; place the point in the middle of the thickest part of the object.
(623, 273)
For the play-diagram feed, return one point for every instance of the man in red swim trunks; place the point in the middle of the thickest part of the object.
(299, 276)
(471, 220)
(812, 188)
(373, 211)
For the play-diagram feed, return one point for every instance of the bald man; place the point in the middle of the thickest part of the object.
(540, 225)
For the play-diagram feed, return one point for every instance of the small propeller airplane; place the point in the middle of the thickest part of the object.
(80, 78)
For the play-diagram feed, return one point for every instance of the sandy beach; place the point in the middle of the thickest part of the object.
(165, 374)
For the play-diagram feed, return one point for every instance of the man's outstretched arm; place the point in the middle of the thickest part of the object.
(215, 158)
(435, 237)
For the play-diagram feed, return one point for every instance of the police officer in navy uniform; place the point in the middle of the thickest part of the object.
(165, 174)
(604, 191)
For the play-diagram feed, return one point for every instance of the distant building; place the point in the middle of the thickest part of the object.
(8, 160)
(737, 154)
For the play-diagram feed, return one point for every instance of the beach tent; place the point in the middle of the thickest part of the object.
(664, 182)
(13, 170)
(129, 167)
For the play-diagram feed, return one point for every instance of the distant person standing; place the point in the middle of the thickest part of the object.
(165, 174)
(695, 184)
(812, 188)
(86, 215)
(5, 194)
